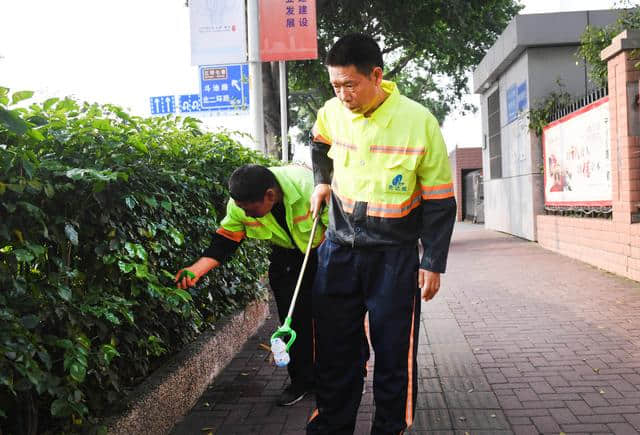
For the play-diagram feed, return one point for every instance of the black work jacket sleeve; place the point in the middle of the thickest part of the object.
(220, 248)
(438, 219)
(322, 163)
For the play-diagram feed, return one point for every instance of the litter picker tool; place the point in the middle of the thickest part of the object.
(279, 346)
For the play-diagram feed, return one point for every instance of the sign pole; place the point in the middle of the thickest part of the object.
(256, 110)
(284, 122)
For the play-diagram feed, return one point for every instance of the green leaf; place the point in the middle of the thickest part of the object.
(131, 202)
(125, 267)
(140, 252)
(112, 318)
(21, 95)
(151, 201)
(38, 250)
(30, 321)
(35, 134)
(12, 121)
(45, 358)
(108, 352)
(23, 255)
(50, 102)
(177, 236)
(60, 408)
(185, 296)
(64, 343)
(49, 190)
(65, 293)
(71, 233)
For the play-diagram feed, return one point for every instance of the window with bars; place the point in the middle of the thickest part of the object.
(495, 144)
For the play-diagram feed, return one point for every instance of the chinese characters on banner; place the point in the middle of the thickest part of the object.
(218, 32)
(288, 30)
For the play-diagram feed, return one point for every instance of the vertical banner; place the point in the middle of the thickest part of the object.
(218, 32)
(288, 30)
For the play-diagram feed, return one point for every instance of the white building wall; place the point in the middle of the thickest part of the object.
(509, 203)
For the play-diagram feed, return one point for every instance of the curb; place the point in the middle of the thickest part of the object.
(171, 391)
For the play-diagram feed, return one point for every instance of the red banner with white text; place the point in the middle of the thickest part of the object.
(288, 30)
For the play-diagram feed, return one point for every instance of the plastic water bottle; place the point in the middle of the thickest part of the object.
(279, 349)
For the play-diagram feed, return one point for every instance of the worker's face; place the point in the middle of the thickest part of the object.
(358, 92)
(257, 209)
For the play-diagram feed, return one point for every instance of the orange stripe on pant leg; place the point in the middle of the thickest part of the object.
(314, 415)
(409, 410)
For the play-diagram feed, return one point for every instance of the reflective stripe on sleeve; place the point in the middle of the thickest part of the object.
(236, 236)
(317, 137)
(252, 223)
(437, 192)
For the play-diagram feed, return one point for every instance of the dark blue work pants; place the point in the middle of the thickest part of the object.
(350, 282)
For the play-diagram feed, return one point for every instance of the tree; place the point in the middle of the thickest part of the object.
(595, 39)
(428, 46)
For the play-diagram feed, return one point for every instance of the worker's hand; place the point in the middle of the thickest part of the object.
(429, 283)
(320, 196)
(197, 269)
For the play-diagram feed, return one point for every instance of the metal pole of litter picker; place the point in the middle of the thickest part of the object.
(304, 265)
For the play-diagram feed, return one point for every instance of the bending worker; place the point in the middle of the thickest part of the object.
(273, 204)
(380, 160)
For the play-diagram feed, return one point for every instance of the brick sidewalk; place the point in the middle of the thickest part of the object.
(519, 340)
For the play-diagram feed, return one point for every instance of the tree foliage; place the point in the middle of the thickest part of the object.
(98, 209)
(429, 47)
(595, 39)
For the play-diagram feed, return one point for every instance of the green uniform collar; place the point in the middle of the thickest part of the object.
(383, 114)
(290, 193)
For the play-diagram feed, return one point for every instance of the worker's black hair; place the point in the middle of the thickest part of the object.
(250, 182)
(358, 50)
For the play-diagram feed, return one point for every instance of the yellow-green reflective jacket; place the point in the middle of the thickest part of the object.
(296, 183)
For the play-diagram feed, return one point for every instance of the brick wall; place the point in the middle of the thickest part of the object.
(462, 159)
(610, 244)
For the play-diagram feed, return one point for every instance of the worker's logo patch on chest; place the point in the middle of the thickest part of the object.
(397, 184)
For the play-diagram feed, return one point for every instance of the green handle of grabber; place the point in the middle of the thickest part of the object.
(188, 273)
(285, 330)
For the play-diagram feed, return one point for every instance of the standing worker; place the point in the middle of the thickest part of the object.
(381, 161)
(273, 204)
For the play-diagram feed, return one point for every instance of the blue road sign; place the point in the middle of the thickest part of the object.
(189, 103)
(162, 105)
(224, 87)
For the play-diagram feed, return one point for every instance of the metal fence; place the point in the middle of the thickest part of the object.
(579, 103)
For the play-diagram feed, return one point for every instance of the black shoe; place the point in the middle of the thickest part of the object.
(291, 395)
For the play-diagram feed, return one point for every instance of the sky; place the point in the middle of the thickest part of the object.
(126, 51)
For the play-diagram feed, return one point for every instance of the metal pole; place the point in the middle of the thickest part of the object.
(284, 124)
(256, 110)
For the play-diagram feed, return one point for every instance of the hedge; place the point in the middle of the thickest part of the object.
(98, 210)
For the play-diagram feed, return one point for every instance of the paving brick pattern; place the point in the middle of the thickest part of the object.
(520, 340)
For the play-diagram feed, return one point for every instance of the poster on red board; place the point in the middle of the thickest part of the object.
(577, 161)
(288, 30)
